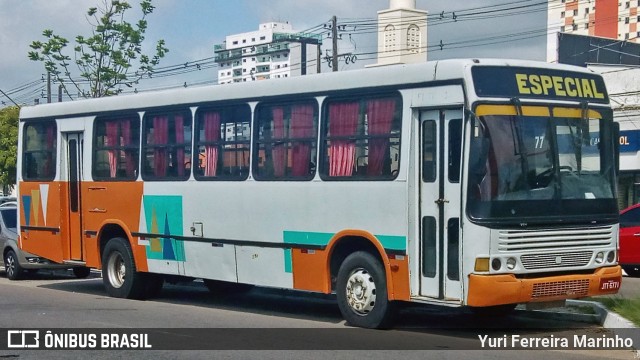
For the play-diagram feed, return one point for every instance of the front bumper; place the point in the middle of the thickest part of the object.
(488, 290)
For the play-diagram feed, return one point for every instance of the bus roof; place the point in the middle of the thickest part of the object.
(391, 75)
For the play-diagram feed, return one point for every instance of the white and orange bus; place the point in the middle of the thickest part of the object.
(480, 183)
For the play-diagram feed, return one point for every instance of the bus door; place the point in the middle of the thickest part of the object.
(74, 145)
(440, 149)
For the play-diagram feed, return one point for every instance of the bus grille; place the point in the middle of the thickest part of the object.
(550, 239)
(561, 288)
(545, 261)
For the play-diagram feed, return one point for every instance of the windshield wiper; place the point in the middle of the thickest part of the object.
(524, 162)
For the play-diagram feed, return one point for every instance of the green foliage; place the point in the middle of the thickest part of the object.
(8, 146)
(628, 308)
(110, 58)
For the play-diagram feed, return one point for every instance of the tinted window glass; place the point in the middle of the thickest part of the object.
(39, 160)
(166, 146)
(222, 143)
(116, 148)
(362, 138)
(9, 217)
(286, 138)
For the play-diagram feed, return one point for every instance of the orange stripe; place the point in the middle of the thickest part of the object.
(312, 272)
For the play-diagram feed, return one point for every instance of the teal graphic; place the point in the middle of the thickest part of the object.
(26, 203)
(164, 212)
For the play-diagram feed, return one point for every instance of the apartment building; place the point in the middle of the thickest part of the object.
(613, 19)
(274, 51)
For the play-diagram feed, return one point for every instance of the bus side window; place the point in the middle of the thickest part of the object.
(286, 140)
(40, 141)
(429, 153)
(455, 149)
(116, 144)
(222, 143)
(362, 138)
(167, 146)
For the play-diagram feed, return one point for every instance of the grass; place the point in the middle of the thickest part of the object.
(629, 308)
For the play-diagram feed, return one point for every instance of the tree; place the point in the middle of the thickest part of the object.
(109, 59)
(8, 146)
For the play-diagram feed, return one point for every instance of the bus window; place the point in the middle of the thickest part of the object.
(429, 151)
(362, 139)
(166, 145)
(286, 140)
(455, 149)
(39, 160)
(116, 148)
(222, 143)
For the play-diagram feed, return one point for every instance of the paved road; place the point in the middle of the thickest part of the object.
(630, 287)
(54, 301)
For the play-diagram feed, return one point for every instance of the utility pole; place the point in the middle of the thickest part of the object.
(318, 59)
(334, 38)
(48, 87)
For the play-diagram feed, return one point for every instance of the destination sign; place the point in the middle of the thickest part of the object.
(495, 81)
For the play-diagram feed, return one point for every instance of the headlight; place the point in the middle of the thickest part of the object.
(611, 256)
(511, 263)
(599, 257)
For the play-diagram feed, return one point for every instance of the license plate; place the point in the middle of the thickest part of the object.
(610, 284)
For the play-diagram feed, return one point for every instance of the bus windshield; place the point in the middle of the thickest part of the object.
(540, 163)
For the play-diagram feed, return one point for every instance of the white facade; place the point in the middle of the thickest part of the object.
(271, 52)
(402, 34)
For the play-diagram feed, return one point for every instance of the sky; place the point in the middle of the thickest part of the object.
(191, 28)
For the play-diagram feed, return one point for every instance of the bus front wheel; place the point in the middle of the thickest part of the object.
(361, 290)
(119, 274)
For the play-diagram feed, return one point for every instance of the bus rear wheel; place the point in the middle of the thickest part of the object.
(361, 289)
(119, 274)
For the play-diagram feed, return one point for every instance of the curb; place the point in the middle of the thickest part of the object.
(603, 316)
(608, 319)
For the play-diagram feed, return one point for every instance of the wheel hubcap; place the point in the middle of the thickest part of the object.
(10, 265)
(117, 270)
(361, 292)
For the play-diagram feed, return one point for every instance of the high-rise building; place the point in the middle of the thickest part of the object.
(274, 51)
(613, 19)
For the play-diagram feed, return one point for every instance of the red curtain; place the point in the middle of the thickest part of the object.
(343, 121)
(160, 137)
(301, 127)
(129, 155)
(279, 150)
(211, 133)
(112, 141)
(179, 127)
(380, 116)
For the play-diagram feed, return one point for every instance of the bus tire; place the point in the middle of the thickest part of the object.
(361, 289)
(12, 266)
(119, 274)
